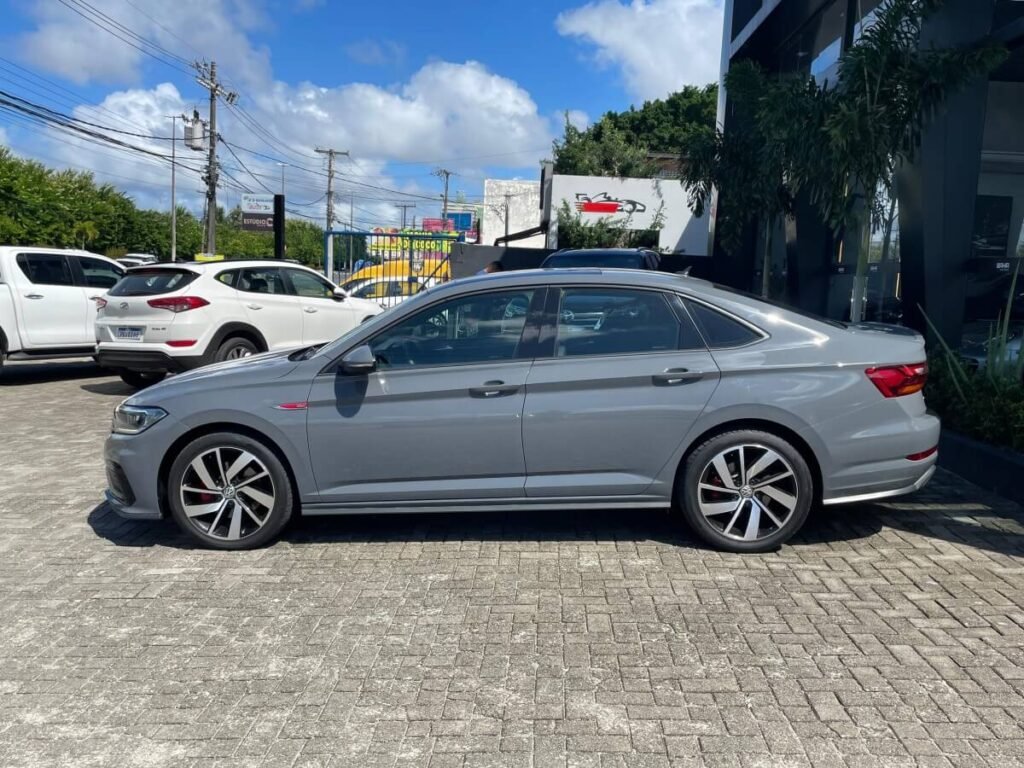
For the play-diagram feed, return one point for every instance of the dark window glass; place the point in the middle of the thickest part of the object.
(45, 268)
(601, 321)
(261, 280)
(310, 286)
(471, 329)
(597, 259)
(152, 282)
(99, 274)
(721, 330)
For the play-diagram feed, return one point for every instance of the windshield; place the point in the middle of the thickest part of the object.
(781, 305)
(152, 282)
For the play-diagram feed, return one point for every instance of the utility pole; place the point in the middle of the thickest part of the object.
(444, 173)
(508, 196)
(208, 79)
(404, 207)
(331, 154)
(283, 166)
(174, 203)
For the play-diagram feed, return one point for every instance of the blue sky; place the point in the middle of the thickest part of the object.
(403, 85)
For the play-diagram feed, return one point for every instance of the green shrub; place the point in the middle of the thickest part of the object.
(974, 404)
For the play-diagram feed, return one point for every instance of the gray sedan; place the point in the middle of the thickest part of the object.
(552, 389)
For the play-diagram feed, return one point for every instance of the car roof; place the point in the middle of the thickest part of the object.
(226, 263)
(578, 275)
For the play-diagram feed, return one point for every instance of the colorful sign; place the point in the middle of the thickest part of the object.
(391, 242)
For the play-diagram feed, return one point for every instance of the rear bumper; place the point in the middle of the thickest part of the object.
(887, 493)
(146, 361)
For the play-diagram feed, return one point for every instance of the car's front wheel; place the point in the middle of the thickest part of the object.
(228, 491)
(746, 491)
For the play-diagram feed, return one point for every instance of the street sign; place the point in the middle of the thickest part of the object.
(257, 212)
(256, 203)
(257, 222)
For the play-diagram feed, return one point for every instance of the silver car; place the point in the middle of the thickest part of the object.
(552, 389)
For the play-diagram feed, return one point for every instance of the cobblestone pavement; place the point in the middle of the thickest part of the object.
(886, 635)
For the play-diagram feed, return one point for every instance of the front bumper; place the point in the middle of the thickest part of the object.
(146, 361)
(133, 469)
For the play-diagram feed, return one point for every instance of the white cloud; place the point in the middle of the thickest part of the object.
(659, 45)
(444, 110)
(376, 53)
(3, 136)
(71, 45)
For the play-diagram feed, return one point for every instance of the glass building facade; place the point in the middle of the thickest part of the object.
(956, 228)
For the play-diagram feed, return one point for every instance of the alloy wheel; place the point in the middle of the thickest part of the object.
(227, 493)
(237, 353)
(748, 492)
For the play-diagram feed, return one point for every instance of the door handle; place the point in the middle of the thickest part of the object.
(33, 295)
(254, 306)
(493, 389)
(310, 310)
(675, 376)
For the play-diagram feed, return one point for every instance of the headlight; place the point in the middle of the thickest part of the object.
(132, 419)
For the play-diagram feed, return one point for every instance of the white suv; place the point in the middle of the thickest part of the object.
(171, 317)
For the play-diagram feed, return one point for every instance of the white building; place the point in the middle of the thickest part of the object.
(511, 207)
(639, 203)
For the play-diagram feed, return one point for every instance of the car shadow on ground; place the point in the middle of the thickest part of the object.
(651, 526)
(115, 387)
(964, 524)
(19, 374)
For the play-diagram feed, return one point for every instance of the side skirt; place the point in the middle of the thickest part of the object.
(481, 505)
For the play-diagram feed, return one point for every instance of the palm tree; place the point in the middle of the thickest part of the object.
(84, 232)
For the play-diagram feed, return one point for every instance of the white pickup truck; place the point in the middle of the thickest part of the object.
(46, 301)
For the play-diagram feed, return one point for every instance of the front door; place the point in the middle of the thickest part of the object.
(440, 418)
(54, 311)
(324, 318)
(624, 380)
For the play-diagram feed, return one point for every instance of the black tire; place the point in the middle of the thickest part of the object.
(251, 534)
(235, 347)
(141, 379)
(714, 528)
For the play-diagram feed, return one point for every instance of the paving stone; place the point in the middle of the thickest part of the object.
(884, 635)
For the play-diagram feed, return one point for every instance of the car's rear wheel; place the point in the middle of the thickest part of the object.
(746, 491)
(141, 379)
(228, 491)
(235, 348)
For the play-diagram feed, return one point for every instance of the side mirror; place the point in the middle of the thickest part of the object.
(339, 295)
(359, 361)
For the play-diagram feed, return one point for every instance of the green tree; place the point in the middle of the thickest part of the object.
(84, 232)
(606, 232)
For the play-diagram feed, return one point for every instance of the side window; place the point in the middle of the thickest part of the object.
(261, 280)
(309, 285)
(230, 277)
(373, 290)
(720, 330)
(45, 268)
(99, 274)
(470, 329)
(611, 321)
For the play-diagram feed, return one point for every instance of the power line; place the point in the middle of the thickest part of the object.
(136, 46)
(246, 168)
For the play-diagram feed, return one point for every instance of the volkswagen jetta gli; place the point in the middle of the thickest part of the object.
(553, 389)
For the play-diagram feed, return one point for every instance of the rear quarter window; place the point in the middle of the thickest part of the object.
(152, 282)
(719, 330)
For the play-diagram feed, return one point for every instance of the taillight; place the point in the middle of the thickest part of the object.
(899, 380)
(178, 303)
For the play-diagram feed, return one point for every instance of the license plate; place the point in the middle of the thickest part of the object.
(127, 333)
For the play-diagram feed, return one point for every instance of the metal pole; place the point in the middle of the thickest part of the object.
(211, 188)
(174, 202)
(351, 226)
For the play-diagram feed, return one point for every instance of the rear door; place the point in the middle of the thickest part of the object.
(324, 318)
(54, 311)
(269, 305)
(624, 378)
